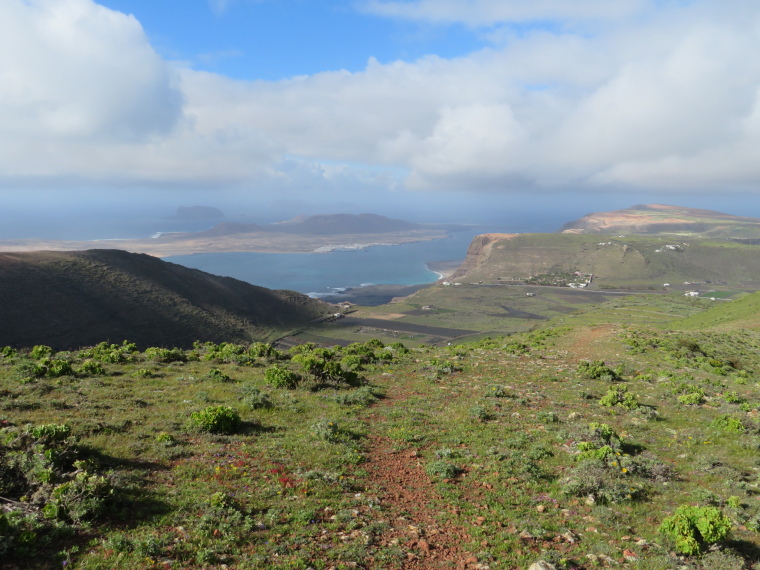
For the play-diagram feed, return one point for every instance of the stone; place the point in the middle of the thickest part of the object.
(542, 565)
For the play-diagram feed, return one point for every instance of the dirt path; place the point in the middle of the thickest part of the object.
(409, 498)
(412, 505)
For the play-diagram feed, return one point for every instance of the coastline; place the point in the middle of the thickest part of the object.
(444, 269)
(259, 242)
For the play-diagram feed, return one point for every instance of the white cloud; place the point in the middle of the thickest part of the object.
(490, 12)
(668, 99)
(72, 69)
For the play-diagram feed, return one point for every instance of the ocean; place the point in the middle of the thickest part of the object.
(325, 274)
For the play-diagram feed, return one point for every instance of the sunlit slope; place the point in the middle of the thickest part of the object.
(616, 262)
(663, 219)
(742, 313)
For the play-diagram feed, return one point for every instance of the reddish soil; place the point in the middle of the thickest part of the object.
(412, 505)
(409, 497)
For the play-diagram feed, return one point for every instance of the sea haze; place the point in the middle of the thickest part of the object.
(324, 274)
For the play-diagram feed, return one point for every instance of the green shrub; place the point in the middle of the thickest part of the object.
(280, 377)
(51, 432)
(91, 368)
(216, 375)
(80, 500)
(734, 398)
(729, 424)
(497, 391)
(165, 355)
(692, 529)
(619, 396)
(256, 399)
(8, 352)
(442, 470)
(363, 397)
(58, 368)
(216, 419)
(693, 398)
(597, 370)
(41, 351)
(326, 430)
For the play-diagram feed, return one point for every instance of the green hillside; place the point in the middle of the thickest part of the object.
(581, 447)
(743, 313)
(634, 262)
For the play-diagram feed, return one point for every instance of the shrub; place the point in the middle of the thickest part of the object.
(693, 398)
(597, 370)
(51, 432)
(41, 351)
(165, 355)
(256, 399)
(280, 377)
(620, 397)
(692, 529)
(58, 368)
(479, 413)
(91, 368)
(326, 430)
(497, 391)
(216, 419)
(80, 500)
(729, 424)
(8, 352)
(734, 398)
(442, 470)
(360, 397)
(217, 375)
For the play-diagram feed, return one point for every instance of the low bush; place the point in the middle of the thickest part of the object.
(280, 377)
(693, 529)
(620, 396)
(442, 470)
(216, 419)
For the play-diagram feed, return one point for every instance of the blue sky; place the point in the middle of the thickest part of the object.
(277, 39)
(418, 108)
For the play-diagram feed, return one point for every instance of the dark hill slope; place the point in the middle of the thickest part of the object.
(72, 299)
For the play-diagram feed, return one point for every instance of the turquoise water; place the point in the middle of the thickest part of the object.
(325, 273)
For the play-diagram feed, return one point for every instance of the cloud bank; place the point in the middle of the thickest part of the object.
(664, 95)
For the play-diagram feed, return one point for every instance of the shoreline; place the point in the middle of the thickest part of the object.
(170, 245)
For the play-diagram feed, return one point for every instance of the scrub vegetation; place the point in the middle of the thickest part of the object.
(582, 446)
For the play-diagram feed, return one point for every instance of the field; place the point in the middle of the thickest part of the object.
(571, 445)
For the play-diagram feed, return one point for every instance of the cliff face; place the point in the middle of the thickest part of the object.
(478, 253)
(635, 262)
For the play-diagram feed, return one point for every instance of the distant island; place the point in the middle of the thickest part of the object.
(198, 213)
(305, 234)
(648, 219)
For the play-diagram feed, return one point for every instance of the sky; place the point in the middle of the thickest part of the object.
(454, 110)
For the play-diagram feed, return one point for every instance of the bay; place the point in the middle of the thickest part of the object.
(325, 274)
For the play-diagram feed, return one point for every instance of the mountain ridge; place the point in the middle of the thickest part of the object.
(72, 299)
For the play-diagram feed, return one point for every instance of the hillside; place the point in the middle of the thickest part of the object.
(336, 224)
(743, 313)
(662, 219)
(584, 447)
(72, 299)
(635, 262)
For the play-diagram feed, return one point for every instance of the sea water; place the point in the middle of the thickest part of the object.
(321, 274)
